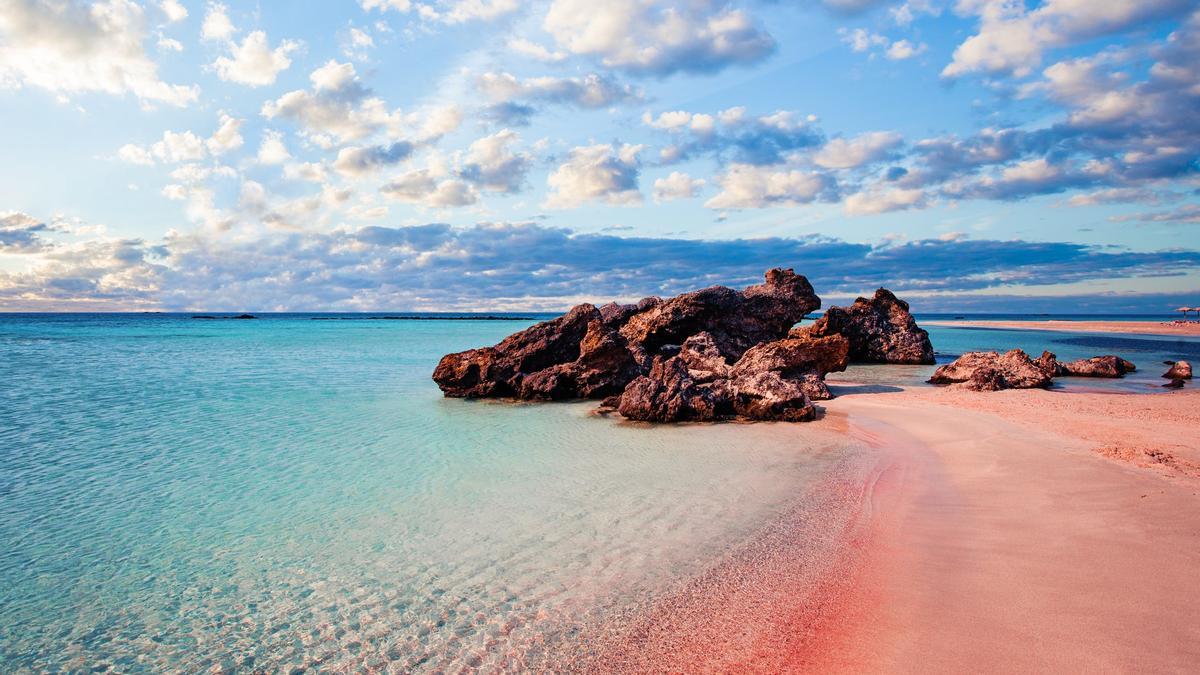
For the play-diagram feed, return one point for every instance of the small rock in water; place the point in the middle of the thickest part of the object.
(1174, 384)
(992, 371)
(1180, 370)
(1099, 366)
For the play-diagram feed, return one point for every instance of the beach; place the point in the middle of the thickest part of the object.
(1130, 327)
(1012, 532)
(1032, 531)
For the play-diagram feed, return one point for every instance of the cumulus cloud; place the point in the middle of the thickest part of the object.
(70, 48)
(227, 137)
(536, 51)
(339, 109)
(599, 172)
(253, 62)
(841, 153)
(1012, 38)
(493, 165)
(658, 36)
(746, 186)
(21, 233)
(272, 149)
(357, 161)
(863, 40)
(588, 91)
(882, 200)
(677, 185)
(428, 267)
(173, 10)
(216, 25)
(731, 133)
(427, 188)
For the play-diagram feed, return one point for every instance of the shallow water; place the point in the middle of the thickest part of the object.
(178, 494)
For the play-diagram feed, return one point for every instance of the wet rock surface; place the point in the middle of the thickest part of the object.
(880, 330)
(1098, 366)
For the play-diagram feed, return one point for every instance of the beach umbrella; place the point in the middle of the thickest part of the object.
(1185, 311)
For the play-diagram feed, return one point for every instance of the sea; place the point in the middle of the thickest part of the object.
(293, 494)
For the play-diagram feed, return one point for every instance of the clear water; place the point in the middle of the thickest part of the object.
(186, 495)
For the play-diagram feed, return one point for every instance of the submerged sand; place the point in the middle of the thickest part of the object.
(1126, 327)
(1018, 531)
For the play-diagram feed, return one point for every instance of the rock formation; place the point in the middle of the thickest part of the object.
(992, 371)
(880, 330)
(710, 354)
(1180, 370)
(1098, 366)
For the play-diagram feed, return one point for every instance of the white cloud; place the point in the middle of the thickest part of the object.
(491, 163)
(227, 137)
(875, 200)
(536, 51)
(272, 150)
(861, 40)
(217, 26)
(383, 5)
(1012, 38)
(654, 36)
(596, 173)
(677, 185)
(135, 154)
(166, 44)
(253, 62)
(70, 48)
(588, 91)
(174, 11)
(903, 49)
(841, 153)
(748, 186)
(427, 188)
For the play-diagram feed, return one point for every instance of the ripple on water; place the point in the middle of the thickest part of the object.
(283, 495)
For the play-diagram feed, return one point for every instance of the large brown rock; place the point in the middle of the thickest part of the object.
(669, 394)
(500, 370)
(991, 371)
(1180, 370)
(594, 353)
(736, 320)
(1098, 366)
(880, 330)
(802, 359)
(769, 396)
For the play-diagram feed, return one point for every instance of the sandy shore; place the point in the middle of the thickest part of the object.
(1126, 327)
(1016, 531)
(1033, 531)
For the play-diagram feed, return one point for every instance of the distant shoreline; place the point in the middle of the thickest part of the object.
(1138, 327)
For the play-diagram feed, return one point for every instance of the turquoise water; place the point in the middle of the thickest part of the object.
(283, 494)
(289, 494)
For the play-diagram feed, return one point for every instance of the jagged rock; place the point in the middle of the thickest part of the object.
(991, 371)
(500, 370)
(880, 330)
(1049, 364)
(736, 321)
(669, 394)
(804, 360)
(768, 396)
(1180, 370)
(594, 353)
(1098, 366)
(703, 359)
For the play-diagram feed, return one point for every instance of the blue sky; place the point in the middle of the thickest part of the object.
(496, 154)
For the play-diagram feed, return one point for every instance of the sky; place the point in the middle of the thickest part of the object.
(493, 155)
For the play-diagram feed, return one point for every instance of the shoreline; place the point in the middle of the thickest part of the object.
(1041, 532)
(1013, 531)
(1119, 327)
